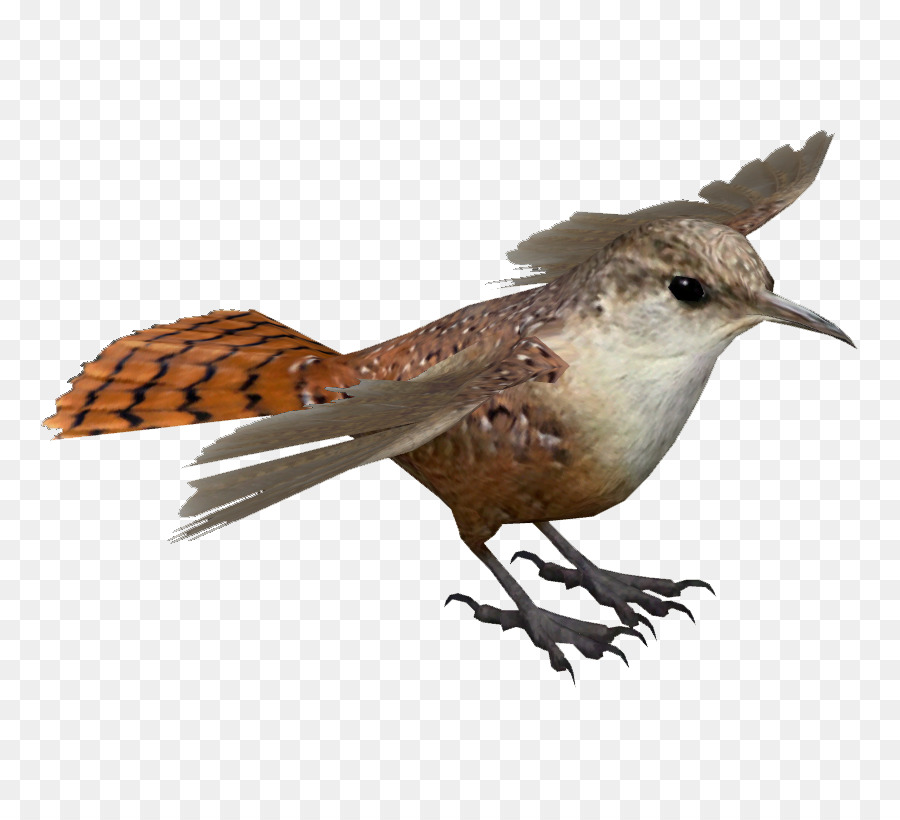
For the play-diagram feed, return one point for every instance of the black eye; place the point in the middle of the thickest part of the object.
(686, 289)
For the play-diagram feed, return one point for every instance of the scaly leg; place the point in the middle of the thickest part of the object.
(546, 629)
(610, 588)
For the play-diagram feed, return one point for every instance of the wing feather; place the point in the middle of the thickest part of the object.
(388, 417)
(759, 191)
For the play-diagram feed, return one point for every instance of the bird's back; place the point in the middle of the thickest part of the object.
(232, 364)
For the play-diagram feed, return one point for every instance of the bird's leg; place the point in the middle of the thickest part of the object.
(546, 629)
(610, 588)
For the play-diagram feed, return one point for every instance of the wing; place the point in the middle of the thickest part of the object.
(387, 417)
(761, 189)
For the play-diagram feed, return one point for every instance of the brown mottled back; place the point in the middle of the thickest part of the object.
(515, 316)
(241, 364)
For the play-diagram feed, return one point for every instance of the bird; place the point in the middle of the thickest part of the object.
(544, 404)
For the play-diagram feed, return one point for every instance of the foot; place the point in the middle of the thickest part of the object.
(617, 590)
(547, 630)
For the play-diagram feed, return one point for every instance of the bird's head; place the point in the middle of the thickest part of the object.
(681, 286)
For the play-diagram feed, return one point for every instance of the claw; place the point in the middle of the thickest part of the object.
(681, 608)
(624, 630)
(538, 562)
(695, 583)
(563, 666)
(550, 571)
(547, 630)
(458, 596)
(616, 651)
(487, 614)
(646, 622)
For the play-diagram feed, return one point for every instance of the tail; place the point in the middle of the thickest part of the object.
(228, 364)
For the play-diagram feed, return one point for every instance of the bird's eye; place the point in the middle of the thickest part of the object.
(686, 289)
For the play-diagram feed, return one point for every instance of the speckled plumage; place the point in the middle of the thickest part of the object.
(241, 364)
(548, 459)
(536, 406)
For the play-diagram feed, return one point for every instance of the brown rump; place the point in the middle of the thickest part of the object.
(228, 364)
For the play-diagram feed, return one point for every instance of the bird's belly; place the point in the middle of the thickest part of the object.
(541, 452)
(519, 458)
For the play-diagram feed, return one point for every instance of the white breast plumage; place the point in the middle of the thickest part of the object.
(628, 408)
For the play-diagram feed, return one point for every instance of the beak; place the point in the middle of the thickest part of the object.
(778, 309)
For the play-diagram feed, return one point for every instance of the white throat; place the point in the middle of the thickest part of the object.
(630, 405)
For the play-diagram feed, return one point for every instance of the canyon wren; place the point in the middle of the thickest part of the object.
(545, 404)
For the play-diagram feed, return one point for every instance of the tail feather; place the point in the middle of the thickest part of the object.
(228, 497)
(225, 365)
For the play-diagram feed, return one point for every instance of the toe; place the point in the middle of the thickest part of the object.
(626, 614)
(550, 571)
(557, 660)
(487, 614)
(588, 647)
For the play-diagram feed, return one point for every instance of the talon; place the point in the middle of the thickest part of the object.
(646, 622)
(624, 630)
(458, 596)
(616, 651)
(538, 562)
(547, 630)
(563, 665)
(695, 583)
(681, 608)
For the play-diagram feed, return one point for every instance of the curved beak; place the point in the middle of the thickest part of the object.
(778, 309)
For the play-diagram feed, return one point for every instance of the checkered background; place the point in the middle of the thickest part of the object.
(355, 170)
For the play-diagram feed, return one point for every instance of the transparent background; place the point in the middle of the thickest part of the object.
(355, 170)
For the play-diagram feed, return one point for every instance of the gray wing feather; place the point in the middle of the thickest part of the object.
(388, 418)
(374, 404)
(228, 497)
(759, 191)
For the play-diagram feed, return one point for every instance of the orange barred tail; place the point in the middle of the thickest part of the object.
(229, 364)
